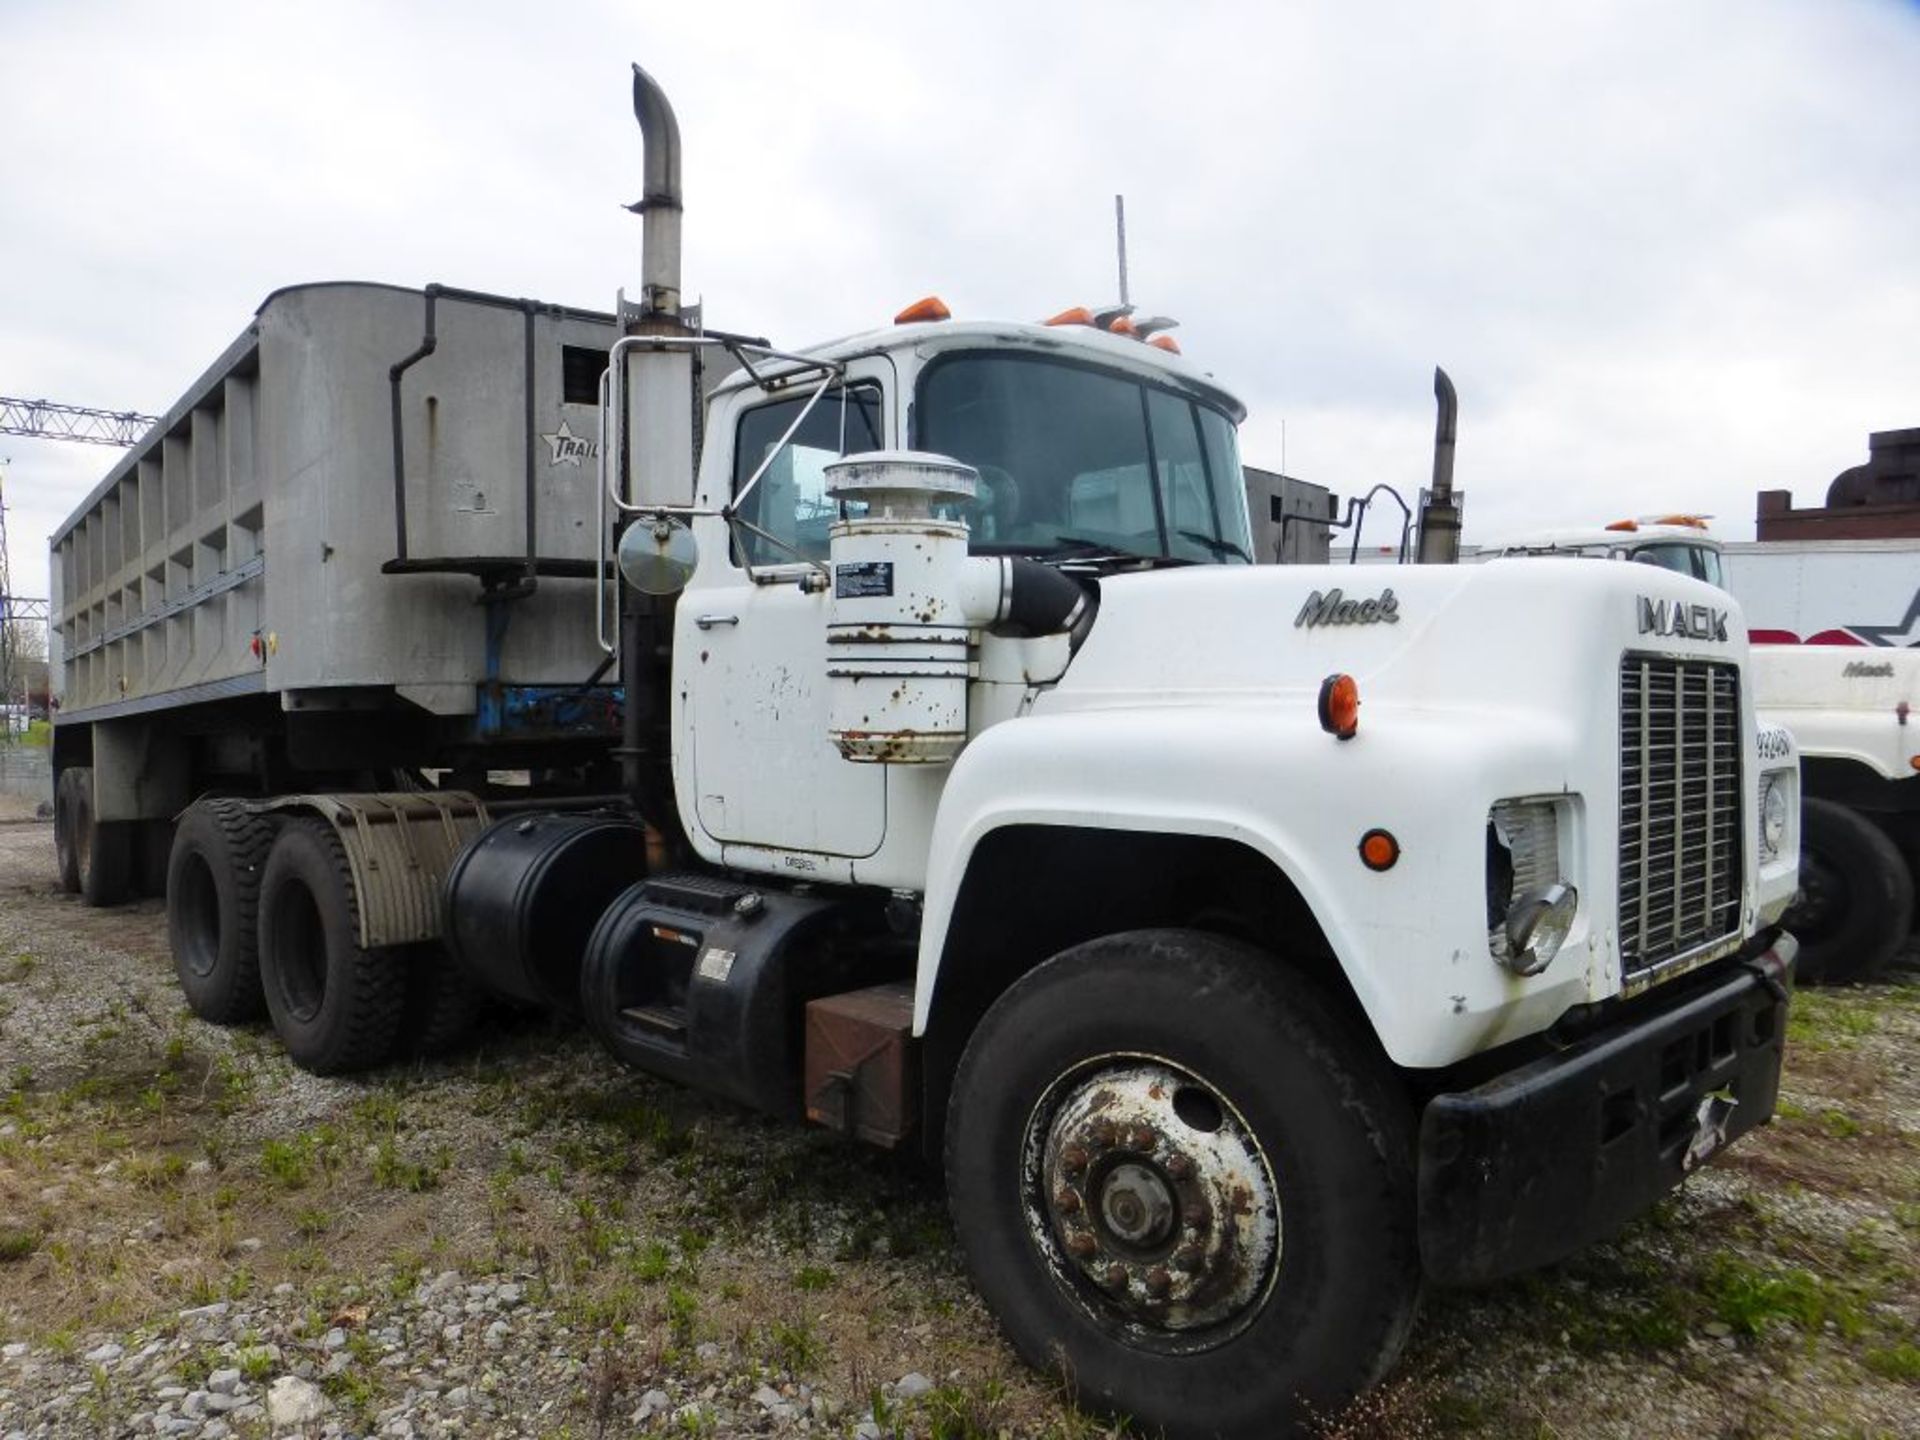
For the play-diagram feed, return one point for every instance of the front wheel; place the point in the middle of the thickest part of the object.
(1184, 1182)
(1855, 904)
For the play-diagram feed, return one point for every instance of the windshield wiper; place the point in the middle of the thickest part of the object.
(1215, 546)
(1094, 550)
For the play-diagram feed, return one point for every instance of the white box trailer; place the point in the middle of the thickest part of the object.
(1836, 592)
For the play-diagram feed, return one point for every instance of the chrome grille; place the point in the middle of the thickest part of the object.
(1680, 811)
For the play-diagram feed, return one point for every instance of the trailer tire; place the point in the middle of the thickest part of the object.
(66, 851)
(1855, 904)
(100, 852)
(336, 1007)
(442, 1004)
(1114, 1113)
(213, 909)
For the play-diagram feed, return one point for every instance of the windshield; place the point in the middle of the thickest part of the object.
(1700, 561)
(1077, 459)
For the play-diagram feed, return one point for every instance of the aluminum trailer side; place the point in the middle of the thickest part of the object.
(361, 546)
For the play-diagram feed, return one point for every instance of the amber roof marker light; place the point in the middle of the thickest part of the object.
(930, 307)
(1340, 706)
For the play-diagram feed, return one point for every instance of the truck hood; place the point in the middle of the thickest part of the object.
(1507, 636)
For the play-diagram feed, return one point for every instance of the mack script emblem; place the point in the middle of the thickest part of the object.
(1689, 622)
(1333, 608)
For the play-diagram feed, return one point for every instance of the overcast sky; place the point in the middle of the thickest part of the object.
(1669, 252)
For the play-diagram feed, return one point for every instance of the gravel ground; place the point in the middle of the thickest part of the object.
(196, 1239)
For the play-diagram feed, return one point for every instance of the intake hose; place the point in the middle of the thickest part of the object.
(1011, 595)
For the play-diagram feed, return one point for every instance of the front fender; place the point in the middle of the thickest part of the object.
(1412, 940)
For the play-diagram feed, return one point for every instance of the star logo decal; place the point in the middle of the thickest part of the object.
(569, 448)
(1906, 633)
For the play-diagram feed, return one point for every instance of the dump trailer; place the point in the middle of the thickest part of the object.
(1248, 946)
(350, 564)
(1835, 626)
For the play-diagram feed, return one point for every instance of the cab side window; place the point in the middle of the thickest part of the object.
(791, 500)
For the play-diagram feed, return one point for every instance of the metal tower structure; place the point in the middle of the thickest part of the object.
(45, 420)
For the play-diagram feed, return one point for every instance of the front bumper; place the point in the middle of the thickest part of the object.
(1538, 1162)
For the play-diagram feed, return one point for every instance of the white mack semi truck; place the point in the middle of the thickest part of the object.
(1250, 944)
(1836, 661)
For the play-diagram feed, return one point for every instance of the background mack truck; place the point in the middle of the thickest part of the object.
(896, 734)
(1836, 660)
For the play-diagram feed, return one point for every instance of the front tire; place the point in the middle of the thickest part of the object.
(1184, 1181)
(1855, 905)
(336, 1007)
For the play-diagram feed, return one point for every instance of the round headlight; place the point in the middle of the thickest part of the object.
(1773, 817)
(1537, 927)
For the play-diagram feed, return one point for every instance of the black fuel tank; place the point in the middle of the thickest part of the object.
(522, 898)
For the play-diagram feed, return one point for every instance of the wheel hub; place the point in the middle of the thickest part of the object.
(1814, 905)
(1154, 1200)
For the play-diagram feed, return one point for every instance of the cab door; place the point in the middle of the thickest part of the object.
(751, 648)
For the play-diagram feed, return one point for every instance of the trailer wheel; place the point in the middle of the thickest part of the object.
(213, 904)
(1184, 1181)
(335, 1006)
(442, 1002)
(99, 854)
(1855, 904)
(66, 850)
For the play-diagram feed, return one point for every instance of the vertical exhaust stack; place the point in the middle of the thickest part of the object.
(659, 202)
(659, 390)
(1439, 510)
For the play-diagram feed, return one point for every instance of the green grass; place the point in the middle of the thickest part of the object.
(17, 1245)
(1752, 1298)
(1895, 1362)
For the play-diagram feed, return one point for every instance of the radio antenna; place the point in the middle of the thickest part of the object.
(1120, 235)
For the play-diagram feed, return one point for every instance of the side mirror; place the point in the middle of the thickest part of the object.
(659, 429)
(657, 555)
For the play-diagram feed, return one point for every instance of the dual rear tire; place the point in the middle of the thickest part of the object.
(263, 919)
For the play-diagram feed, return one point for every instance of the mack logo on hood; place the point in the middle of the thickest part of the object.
(1333, 608)
(1689, 622)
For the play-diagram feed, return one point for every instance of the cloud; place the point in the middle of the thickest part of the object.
(1665, 251)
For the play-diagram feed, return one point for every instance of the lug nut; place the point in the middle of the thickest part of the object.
(1189, 1257)
(1142, 1137)
(1194, 1213)
(1103, 1133)
(1159, 1282)
(1066, 1200)
(1082, 1246)
(1116, 1277)
(1073, 1159)
(1179, 1166)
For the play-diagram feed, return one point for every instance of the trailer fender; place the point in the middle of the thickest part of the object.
(400, 845)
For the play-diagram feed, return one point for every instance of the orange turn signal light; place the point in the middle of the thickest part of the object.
(1166, 343)
(1078, 315)
(932, 307)
(1624, 525)
(1340, 706)
(1379, 850)
(1121, 325)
